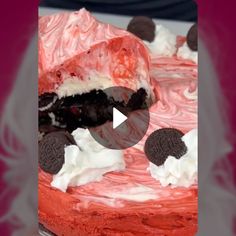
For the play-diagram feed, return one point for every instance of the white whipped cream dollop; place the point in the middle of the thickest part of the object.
(164, 43)
(179, 172)
(86, 162)
(185, 52)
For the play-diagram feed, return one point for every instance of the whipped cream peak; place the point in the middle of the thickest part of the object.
(179, 172)
(164, 43)
(185, 52)
(86, 162)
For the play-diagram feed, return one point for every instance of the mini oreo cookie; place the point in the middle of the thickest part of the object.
(143, 27)
(163, 143)
(192, 38)
(51, 151)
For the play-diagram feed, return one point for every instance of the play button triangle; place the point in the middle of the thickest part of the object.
(118, 118)
(126, 125)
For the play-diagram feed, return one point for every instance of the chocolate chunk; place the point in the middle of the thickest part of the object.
(163, 143)
(192, 38)
(51, 151)
(44, 118)
(137, 99)
(143, 27)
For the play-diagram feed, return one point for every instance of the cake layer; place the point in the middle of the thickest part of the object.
(77, 54)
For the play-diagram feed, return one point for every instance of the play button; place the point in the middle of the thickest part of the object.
(128, 118)
(118, 118)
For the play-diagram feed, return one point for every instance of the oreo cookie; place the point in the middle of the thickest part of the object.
(51, 151)
(192, 38)
(163, 143)
(143, 27)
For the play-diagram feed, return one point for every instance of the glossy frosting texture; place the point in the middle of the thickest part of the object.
(75, 46)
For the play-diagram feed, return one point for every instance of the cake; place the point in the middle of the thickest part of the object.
(86, 189)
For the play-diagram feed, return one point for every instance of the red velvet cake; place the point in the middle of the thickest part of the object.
(148, 189)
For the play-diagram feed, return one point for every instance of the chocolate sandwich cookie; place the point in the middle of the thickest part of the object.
(163, 143)
(51, 151)
(192, 38)
(143, 27)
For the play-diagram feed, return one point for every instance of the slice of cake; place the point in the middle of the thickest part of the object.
(86, 189)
